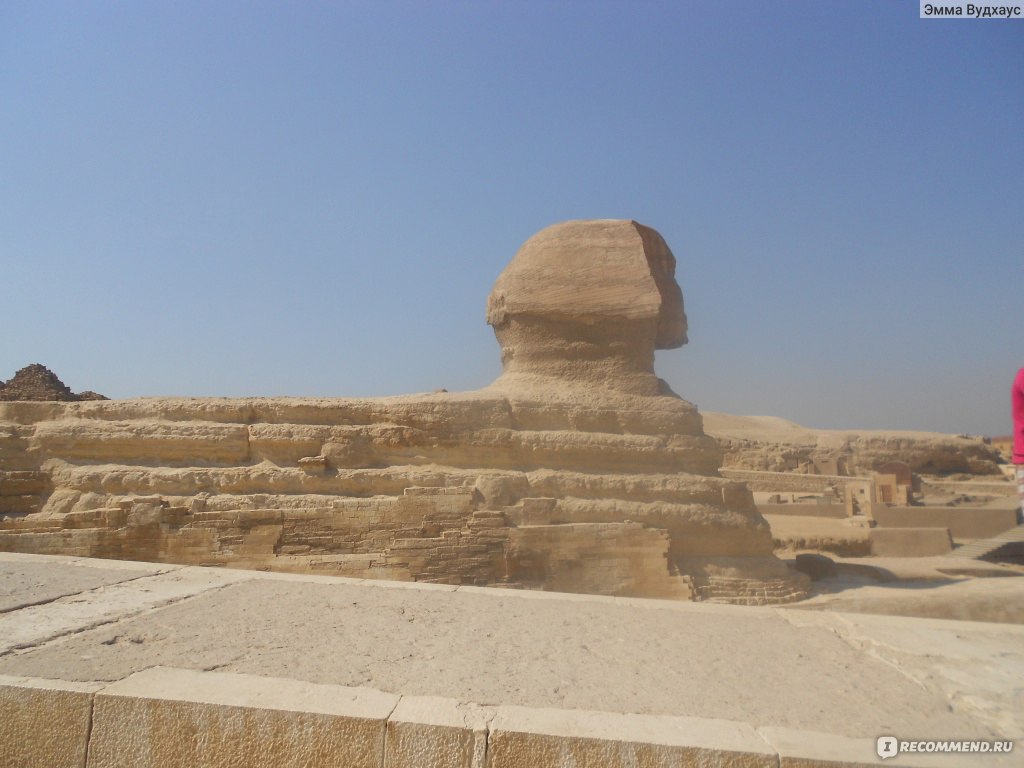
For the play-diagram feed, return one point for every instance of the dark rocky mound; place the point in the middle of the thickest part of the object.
(90, 395)
(37, 382)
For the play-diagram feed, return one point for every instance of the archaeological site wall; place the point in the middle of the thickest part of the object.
(784, 482)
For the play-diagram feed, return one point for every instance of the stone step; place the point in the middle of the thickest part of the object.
(982, 547)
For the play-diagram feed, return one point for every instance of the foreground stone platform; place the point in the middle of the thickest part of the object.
(141, 664)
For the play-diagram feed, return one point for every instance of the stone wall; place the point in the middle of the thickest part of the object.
(804, 510)
(784, 482)
(962, 522)
(971, 487)
(911, 542)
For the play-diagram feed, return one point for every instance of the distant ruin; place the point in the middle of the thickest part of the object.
(38, 383)
(577, 470)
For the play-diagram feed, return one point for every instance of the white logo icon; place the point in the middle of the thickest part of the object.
(887, 747)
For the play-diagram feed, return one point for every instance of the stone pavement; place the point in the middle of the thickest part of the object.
(439, 675)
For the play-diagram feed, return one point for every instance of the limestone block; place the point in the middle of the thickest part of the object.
(910, 542)
(162, 718)
(533, 511)
(523, 737)
(44, 722)
(313, 464)
(497, 491)
(437, 732)
(143, 440)
(23, 483)
(286, 443)
(145, 513)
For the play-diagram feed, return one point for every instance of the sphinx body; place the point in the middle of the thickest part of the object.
(576, 470)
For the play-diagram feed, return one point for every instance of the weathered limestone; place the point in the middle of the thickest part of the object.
(768, 443)
(523, 737)
(577, 469)
(152, 718)
(44, 722)
(439, 732)
(165, 717)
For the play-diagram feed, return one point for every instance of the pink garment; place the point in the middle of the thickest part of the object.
(1018, 418)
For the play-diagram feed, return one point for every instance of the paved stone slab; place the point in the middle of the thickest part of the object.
(856, 676)
(978, 668)
(32, 579)
(114, 599)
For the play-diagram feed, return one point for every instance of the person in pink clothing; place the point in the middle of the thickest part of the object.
(1017, 398)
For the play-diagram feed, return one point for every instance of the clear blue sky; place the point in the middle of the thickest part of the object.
(305, 198)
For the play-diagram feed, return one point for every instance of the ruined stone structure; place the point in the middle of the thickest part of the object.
(577, 470)
(37, 382)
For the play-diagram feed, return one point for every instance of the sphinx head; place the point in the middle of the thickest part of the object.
(589, 301)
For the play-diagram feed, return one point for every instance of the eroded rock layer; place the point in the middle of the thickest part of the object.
(577, 470)
(772, 444)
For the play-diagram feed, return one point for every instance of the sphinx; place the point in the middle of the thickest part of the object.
(577, 470)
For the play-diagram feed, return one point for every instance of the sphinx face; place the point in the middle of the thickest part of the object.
(594, 272)
(584, 304)
(672, 324)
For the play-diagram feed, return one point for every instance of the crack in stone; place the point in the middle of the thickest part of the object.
(27, 647)
(54, 599)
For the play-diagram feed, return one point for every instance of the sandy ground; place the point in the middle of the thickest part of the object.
(933, 587)
(829, 672)
(984, 599)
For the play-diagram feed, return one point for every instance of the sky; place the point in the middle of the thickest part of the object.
(307, 198)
